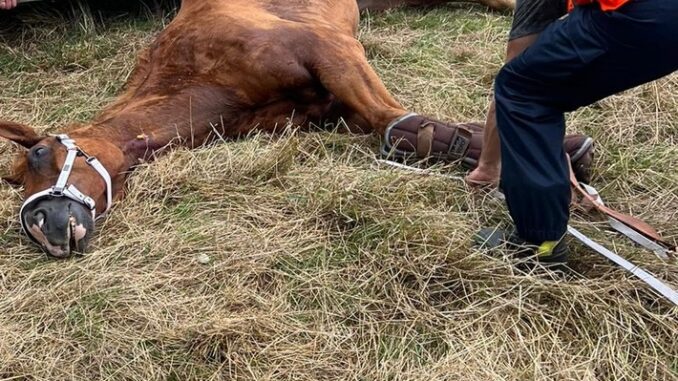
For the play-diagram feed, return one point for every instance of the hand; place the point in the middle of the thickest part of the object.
(8, 4)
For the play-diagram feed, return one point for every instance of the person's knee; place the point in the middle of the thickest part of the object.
(516, 94)
(518, 45)
(504, 91)
(501, 82)
(506, 84)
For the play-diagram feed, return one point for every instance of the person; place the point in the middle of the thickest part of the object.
(530, 18)
(8, 4)
(600, 48)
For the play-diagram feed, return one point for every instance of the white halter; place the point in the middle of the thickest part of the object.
(63, 189)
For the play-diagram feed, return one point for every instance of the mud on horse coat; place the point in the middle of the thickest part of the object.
(221, 67)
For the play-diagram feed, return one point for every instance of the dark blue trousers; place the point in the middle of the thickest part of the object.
(576, 61)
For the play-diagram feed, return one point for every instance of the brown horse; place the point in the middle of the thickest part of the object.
(221, 69)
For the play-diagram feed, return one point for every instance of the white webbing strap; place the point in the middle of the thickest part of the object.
(643, 275)
(660, 251)
(656, 284)
(62, 181)
(97, 166)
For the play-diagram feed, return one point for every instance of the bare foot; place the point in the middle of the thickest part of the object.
(483, 177)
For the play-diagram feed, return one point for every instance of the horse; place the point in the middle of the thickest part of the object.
(220, 69)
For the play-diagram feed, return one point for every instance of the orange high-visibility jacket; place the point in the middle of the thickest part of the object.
(606, 5)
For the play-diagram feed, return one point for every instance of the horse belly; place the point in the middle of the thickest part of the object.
(290, 112)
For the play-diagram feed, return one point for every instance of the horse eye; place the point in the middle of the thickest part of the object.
(36, 154)
(38, 151)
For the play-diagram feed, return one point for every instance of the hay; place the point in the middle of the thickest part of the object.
(321, 266)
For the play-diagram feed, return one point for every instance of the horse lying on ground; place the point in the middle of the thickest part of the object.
(221, 68)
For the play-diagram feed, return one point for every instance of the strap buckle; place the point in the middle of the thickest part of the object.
(461, 141)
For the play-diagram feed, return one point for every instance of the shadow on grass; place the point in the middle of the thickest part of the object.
(81, 14)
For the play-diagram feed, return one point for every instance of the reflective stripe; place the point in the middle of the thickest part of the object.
(546, 248)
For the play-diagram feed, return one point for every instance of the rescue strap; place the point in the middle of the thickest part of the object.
(652, 281)
(636, 224)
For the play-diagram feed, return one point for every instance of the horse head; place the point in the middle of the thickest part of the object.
(68, 182)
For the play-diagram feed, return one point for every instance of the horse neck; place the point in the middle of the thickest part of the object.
(143, 125)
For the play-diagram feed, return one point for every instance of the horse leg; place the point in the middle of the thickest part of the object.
(340, 64)
(344, 119)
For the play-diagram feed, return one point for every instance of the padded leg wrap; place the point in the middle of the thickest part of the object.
(414, 137)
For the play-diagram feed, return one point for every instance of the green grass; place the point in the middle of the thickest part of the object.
(323, 265)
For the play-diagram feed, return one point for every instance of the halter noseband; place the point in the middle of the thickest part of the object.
(63, 189)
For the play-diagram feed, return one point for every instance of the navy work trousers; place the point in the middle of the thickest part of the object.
(576, 61)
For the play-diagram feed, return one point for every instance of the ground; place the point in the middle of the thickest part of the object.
(321, 265)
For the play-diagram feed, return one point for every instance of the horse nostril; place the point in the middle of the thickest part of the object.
(39, 217)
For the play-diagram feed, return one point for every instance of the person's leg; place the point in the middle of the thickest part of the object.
(530, 18)
(576, 61)
(487, 172)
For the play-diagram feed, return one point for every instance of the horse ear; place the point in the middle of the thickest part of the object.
(19, 133)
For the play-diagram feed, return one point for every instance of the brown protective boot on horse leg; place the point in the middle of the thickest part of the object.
(415, 137)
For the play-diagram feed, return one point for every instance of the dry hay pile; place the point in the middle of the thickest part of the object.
(321, 266)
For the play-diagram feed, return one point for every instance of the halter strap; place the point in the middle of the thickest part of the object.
(62, 182)
(63, 189)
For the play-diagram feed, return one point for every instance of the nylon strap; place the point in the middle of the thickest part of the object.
(659, 250)
(425, 139)
(97, 166)
(656, 284)
(62, 181)
(632, 222)
(643, 275)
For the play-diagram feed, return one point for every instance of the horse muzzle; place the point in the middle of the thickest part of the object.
(60, 226)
